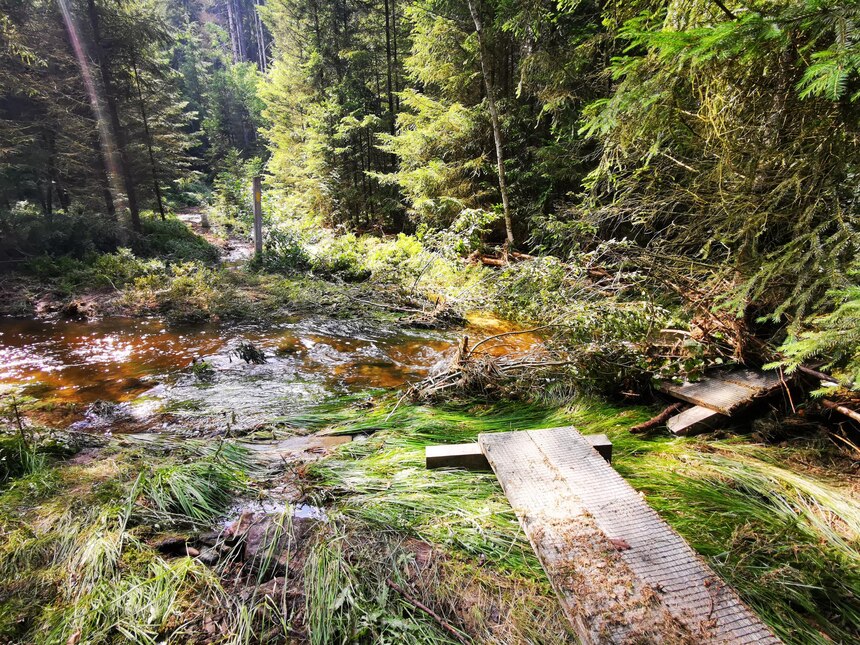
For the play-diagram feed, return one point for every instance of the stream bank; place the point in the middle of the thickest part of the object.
(164, 488)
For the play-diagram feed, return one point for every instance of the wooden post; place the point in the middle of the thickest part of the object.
(258, 216)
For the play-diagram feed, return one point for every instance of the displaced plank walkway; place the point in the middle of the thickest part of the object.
(621, 573)
(717, 397)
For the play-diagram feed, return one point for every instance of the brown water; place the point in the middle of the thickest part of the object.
(145, 364)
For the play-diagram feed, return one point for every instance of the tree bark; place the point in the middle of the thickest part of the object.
(117, 131)
(231, 28)
(388, 67)
(394, 46)
(494, 118)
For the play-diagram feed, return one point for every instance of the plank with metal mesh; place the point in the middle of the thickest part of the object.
(621, 573)
(719, 396)
(754, 379)
(725, 392)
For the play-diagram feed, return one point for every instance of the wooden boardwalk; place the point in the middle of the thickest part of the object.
(621, 573)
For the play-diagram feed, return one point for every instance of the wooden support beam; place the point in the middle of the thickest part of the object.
(694, 421)
(470, 457)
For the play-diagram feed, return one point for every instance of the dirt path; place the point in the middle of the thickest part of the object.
(234, 249)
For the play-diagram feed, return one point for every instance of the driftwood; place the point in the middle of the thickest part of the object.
(658, 420)
(420, 605)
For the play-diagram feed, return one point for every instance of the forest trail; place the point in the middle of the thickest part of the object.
(234, 249)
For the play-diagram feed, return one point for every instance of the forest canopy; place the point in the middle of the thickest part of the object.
(712, 145)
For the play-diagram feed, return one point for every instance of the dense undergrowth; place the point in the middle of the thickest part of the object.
(774, 515)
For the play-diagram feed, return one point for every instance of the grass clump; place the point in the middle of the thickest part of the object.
(200, 489)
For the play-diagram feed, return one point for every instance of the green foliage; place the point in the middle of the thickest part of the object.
(233, 201)
(834, 337)
(25, 231)
(701, 160)
(172, 240)
(283, 250)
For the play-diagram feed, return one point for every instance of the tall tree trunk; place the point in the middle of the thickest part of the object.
(107, 196)
(394, 46)
(494, 118)
(240, 30)
(153, 167)
(261, 42)
(52, 171)
(388, 67)
(117, 132)
(231, 28)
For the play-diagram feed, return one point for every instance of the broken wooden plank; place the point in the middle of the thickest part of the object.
(621, 573)
(719, 396)
(469, 456)
(695, 420)
(725, 392)
(459, 455)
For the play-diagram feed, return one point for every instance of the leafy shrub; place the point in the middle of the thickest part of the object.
(341, 256)
(232, 190)
(283, 250)
(188, 292)
(25, 231)
(123, 267)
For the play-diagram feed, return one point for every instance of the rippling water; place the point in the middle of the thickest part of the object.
(146, 364)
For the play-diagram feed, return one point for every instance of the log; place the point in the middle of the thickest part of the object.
(848, 412)
(658, 420)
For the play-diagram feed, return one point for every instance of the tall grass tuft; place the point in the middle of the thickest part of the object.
(200, 489)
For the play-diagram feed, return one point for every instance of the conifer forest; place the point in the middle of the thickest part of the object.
(429, 322)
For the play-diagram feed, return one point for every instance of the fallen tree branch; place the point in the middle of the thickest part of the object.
(420, 605)
(848, 412)
(821, 376)
(658, 420)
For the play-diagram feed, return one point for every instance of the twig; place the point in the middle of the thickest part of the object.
(816, 374)
(420, 605)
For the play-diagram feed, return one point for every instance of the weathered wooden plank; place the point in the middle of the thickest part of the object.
(470, 456)
(695, 420)
(599, 594)
(694, 595)
(719, 396)
(760, 381)
(621, 573)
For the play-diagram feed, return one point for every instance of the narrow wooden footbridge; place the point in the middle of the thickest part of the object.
(621, 573)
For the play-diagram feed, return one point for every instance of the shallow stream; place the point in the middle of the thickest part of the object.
(125, 373)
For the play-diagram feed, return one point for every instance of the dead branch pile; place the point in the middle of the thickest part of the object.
(475, 372)
(442, 316)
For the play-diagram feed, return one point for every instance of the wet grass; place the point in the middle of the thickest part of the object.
(777, 521)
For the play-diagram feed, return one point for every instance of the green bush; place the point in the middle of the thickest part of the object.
(341, 256)
(283, 250)
(25, 231)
